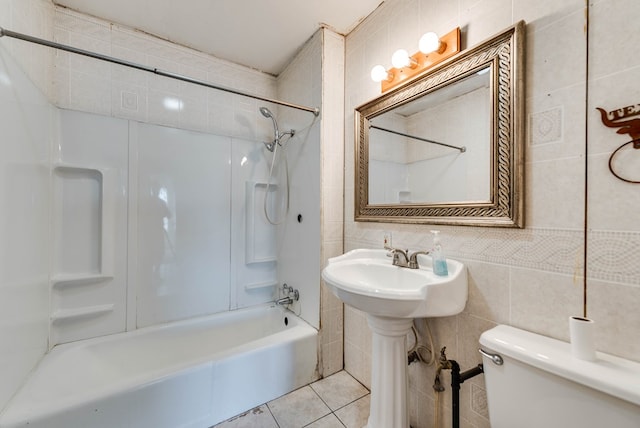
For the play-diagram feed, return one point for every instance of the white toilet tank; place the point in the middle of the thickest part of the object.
(541, 385)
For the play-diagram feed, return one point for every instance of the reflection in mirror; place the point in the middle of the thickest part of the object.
(447, 147)
(434, 149)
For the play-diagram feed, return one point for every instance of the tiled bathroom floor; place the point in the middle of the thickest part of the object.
(337, 401)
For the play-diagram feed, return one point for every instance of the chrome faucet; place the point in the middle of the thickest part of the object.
(401, 258)
(413, 260)
(284, 301)
(291, 295)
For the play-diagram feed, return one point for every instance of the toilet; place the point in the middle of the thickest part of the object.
(534, 381)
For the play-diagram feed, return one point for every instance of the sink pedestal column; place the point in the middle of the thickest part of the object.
(389, 372)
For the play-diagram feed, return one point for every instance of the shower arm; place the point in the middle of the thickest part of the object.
(12, 34)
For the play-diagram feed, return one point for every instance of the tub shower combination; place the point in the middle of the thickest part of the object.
(159, 316)
(195, 372)
(186, 360)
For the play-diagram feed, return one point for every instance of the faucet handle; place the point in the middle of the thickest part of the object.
(413, 259)
(392, 252)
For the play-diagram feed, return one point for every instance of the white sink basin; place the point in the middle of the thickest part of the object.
(392, 296)
(367, 280)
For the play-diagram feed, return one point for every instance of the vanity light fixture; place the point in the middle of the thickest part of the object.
(433, 50)
(401, 58)
(379, 74)
(430, 42)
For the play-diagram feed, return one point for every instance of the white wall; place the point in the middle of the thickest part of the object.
(299, 240)
(529, 278)
(26, 120)
(183, 223)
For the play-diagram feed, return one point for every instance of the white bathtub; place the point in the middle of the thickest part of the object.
(192, 373)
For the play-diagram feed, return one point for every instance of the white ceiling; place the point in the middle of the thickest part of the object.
(262, 34)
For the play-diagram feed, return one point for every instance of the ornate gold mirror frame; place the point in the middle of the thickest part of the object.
(503, 54)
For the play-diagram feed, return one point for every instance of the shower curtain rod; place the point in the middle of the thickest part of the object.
(461, 148)
(4, 32)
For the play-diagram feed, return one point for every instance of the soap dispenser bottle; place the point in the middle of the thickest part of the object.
(437, 256)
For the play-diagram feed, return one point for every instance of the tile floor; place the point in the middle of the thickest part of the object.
(337, 401)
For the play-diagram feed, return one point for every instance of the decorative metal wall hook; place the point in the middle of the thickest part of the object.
(619, 119)
(636, 145)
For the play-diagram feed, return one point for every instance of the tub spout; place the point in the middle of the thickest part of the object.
(284, 301)
(290, 295)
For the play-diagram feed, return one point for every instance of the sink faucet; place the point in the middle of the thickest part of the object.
(402, 258)
(413, 260)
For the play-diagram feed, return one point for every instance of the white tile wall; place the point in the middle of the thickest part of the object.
(114, 90)
(332, 182)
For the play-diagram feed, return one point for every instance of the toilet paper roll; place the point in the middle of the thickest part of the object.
(582, 338)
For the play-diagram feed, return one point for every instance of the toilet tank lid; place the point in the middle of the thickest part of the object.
(609, 374)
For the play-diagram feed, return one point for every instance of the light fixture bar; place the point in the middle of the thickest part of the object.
(462, 149)
(451, 43)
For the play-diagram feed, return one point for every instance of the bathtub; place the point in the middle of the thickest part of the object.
(193, 373)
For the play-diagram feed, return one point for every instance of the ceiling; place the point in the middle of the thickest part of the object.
(262, 34)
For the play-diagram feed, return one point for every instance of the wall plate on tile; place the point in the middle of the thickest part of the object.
(129, 100)
(545, 126)
(479, 400)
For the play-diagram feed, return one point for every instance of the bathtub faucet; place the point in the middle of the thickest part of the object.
(290, 295)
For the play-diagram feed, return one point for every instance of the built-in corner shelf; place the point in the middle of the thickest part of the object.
(84, 226)
(261, 285)
(83, 312)
(260, 235)
(71, 280)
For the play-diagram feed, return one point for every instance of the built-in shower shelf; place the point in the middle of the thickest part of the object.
(260, 285)
(78, 313)
(61, 281)
(260, 235)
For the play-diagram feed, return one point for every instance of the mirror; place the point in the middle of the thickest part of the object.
(447, 147)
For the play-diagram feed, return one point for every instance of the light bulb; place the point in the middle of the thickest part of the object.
(379, 73)
(429, 42)
(400, 58)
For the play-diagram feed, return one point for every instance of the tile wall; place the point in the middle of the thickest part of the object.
(331, 308)
(531, 278)
(33, 17)
(85, 84)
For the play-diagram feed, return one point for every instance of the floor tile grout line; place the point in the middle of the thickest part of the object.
(322, 417)
(331, 411)
(339, 420)
(344, 405)
(272, 415)
(323, 402)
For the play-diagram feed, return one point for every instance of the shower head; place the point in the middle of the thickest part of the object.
(266, 112)
(277, 134)
(276, 140)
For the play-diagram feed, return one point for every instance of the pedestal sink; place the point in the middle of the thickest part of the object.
(392, 297)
